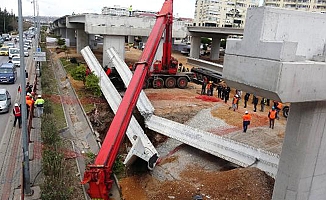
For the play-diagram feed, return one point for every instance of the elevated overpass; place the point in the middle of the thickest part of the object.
(81, 30)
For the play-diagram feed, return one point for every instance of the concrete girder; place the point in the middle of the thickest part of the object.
(141, 145)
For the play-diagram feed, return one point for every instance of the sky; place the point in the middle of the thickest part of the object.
(181, 8)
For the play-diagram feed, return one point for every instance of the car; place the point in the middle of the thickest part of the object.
(16, 61)
(26, 54)
(8, 73)
(4, 51)
(5, 100)
(10, 45)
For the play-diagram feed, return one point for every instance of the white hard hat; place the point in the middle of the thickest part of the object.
(236, 95)
(246, 112)
(39, 96)
(16, 104)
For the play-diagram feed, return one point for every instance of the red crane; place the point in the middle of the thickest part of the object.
(98, 175)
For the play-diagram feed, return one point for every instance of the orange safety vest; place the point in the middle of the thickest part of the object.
(246, 117)
(30, 103)
(279, 105)
(208, 86)
(235, 100)
(17, 111)
(272, 114)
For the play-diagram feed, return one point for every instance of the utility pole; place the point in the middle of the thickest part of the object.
(4, 22)
(26, 172)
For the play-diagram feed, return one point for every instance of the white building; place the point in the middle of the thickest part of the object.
(232, 13)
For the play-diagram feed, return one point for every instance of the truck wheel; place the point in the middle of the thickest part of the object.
(170, 82)
(158, 83)
(182, 82)
(146, 84)
(286, 110)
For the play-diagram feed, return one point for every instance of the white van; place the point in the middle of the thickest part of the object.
(13, 52)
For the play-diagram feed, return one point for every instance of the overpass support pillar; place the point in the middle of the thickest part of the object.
(118, 42)
(301, 172)
(288, 69)
(131, 39)
(195, 47)
(159, 52)
(63, 32)
(71, 36)
(215, 50)
(82, 39)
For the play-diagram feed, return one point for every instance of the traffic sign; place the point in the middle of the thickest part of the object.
(39, 49)
(43, 58)
(39, 54)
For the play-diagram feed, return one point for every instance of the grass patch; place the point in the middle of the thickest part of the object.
(88, 107)
(50, 88)
(58, 112)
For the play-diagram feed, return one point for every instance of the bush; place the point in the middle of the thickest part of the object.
(61, 41)
(92, 84)
(73, 60)
(49, 131)
(48, 107)
(79, 73)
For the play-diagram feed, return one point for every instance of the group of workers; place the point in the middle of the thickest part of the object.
(272, 114)
(31, 101)
(223, 92)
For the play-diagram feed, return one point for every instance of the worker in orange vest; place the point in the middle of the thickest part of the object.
(30, 104)
(246, 121)
(235, 102)
(18, 115)
(272, 115)
(278, 109)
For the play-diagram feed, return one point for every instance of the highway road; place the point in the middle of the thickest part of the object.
(13, 90)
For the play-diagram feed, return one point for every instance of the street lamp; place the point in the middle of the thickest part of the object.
(26, 172)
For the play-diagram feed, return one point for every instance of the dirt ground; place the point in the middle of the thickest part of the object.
(196, 176)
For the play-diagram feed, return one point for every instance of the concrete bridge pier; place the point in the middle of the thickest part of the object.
(82, 39)
(301, 172)
(131, 39)
(115, 41)
(195, 47)
(70, 33)
(215, 50)
(275, 59)
(63, 32)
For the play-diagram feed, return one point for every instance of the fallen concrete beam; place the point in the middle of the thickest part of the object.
(142, 147)
(143, 104)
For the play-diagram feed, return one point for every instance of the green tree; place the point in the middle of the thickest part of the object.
(92, 84)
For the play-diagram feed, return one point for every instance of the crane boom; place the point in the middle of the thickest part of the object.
(98, 175)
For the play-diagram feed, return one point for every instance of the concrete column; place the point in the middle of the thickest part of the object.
(82, 39)
(118, 42)
(195, 47)
(144, 39)
(57, 31)
(215, 50)
(301, 171)
(71, 36)
(92, 42)
(63, 32)
(131, 39)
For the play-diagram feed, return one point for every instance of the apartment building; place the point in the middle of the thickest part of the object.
(232, 13)
(304, 5)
